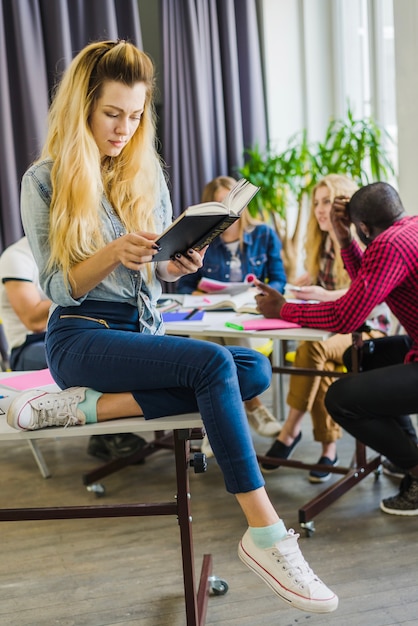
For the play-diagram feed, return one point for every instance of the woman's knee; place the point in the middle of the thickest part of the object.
(308, 354)
(254, 371)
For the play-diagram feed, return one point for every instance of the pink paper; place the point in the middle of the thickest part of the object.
(29, 380)
(268, 324)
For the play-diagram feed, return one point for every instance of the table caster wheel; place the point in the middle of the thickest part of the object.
(309, 528)
(97, 488)
(217, 586)
(199, 463)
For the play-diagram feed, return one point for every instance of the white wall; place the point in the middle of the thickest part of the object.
(298, 65)
(406, 58)
(283, 57)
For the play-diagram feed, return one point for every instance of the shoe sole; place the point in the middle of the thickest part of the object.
(19, 402)
(323, 479)
(285, 594)
(317, 480)
(392, 474)
(267, 435)
(402, 512)
(264, 434)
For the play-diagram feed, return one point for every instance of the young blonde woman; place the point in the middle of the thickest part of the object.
(246, 247)
(325, 280)
(92, 207)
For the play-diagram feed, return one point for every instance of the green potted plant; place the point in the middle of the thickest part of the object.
(352, 147)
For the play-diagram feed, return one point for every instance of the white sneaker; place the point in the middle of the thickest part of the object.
(36, 408)
(206, 448)
(285, 570)
(263, 422)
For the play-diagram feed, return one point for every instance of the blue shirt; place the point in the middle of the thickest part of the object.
(121, 285)
(261, 255)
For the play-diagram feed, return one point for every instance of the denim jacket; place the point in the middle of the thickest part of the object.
(121, 285)
(261, 255)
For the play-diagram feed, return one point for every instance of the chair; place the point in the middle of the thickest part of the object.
(176, 432)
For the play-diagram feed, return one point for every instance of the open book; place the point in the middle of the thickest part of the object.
(200, 224)
(210, 285)
(240, 303)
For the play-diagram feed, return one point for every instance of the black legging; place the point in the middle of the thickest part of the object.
(374, 405)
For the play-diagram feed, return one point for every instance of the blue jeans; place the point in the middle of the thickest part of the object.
(167, 375)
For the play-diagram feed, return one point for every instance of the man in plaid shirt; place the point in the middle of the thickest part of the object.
(370, 406)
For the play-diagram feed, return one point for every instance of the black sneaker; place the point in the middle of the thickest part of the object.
(109, 447)
(390, 469)
(318, 476)
(406, 502)
(279, 451)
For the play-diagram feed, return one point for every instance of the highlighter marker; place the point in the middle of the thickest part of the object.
(234, 326)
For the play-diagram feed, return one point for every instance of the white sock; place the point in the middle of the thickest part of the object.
(267, 536)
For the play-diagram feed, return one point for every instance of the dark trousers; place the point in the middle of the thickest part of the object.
(374, 405)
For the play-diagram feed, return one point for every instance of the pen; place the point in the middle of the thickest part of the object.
(234, 326)
(191, 314)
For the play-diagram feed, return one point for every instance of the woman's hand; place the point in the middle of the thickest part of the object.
(302, 280)
(181, 264)
(312, 292)
(135, 249)
(132, 251)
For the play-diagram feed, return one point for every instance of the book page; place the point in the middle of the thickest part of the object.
(243, 302)
(206, 208)
(240, 196)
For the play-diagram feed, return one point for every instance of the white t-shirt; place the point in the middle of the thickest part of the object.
(16, 263)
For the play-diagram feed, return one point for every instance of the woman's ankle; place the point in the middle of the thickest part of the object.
(330, 451)
(287, 438)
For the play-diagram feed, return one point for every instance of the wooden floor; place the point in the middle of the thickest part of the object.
(128, 571)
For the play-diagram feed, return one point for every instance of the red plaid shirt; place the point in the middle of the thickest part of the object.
(386, 272)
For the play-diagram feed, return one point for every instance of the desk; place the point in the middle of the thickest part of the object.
(213, 325)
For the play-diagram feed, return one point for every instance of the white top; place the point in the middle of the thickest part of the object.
(16, 263)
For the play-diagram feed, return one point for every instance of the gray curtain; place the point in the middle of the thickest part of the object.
(38, 38)
(213, 92)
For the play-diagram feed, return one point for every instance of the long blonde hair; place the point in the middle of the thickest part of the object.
(337, 185)
(227, 182)
(79, 177)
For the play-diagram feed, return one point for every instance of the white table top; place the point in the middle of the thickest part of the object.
(213, 325)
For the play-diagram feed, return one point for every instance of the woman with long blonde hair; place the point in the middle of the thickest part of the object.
(92, 208)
